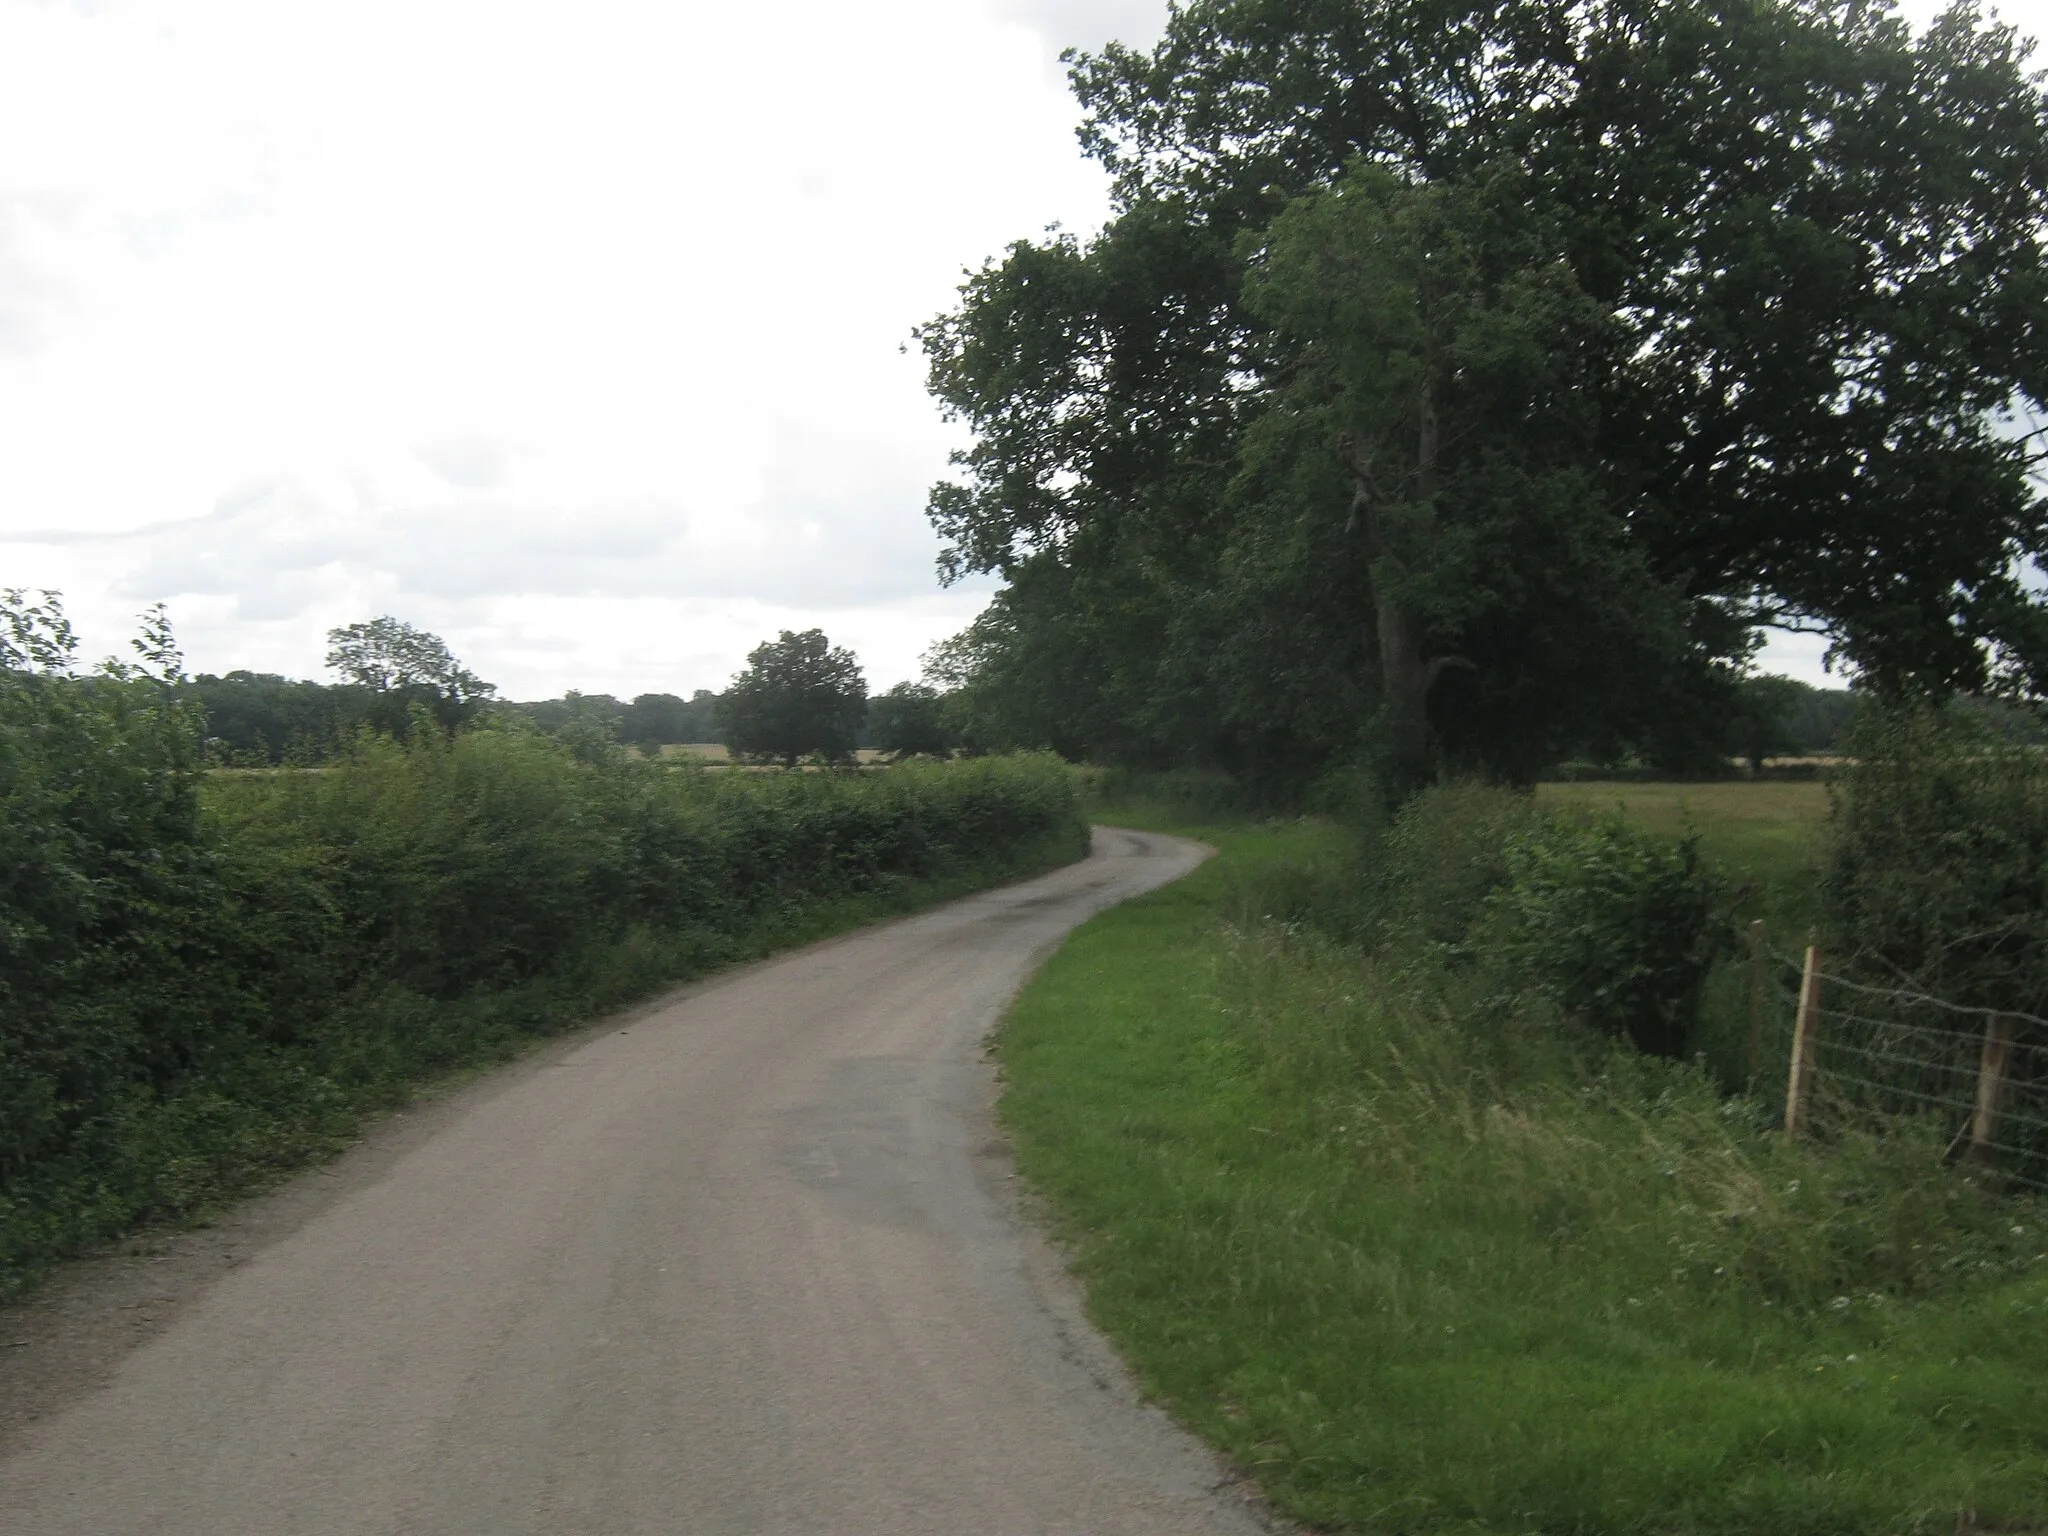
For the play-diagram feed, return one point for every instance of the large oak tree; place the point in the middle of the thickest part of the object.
(1775, 273)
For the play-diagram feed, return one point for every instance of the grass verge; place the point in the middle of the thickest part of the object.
(1422, 1274)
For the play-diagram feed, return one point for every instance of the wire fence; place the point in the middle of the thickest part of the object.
(1861, 1050)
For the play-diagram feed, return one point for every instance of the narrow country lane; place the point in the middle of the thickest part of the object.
(747, 1263)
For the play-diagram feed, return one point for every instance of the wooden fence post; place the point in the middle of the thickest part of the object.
(1759, 984)
(1805, 1031)
(1990, 1087)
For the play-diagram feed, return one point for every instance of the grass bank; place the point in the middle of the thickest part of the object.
(1423, 1267)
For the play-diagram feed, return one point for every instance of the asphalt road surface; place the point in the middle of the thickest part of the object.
(748, 1261)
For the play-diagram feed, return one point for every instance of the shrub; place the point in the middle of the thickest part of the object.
(469, 861)
(1616, 925)
(1937, 858)
(108, 901)
(1426, 879)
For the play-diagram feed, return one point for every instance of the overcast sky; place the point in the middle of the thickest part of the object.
(571, 332)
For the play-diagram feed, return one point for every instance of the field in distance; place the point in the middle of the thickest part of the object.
(718, 752)
(1764, 835)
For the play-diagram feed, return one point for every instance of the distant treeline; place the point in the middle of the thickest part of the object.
(1781, 717)
(256, 719)
(260, 719)
(650, 720)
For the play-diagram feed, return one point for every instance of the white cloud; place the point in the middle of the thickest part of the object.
(464, 308)
(473, 461)
(1088, 24)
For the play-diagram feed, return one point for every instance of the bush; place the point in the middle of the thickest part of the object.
(108, 895)
(1427, 878)
(1937, 858)
(1615, 925)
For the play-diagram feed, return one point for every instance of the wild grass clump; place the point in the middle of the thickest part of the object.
(204, 978)
(1190, 793)
(1535, 1282)
(1641, 1164)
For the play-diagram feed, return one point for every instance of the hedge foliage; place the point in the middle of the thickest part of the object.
(203, 977)
(1606, 924)
(1614, 924)
(1937, 859)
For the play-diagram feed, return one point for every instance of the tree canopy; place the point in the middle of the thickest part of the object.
(909, 720)
(656, 718)
(1492, 371)
(798, 695)
(406, 666)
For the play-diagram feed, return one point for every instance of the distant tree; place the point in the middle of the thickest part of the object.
(589, 724)
(798, 695)
(387, 653)
(908, 720)
(649, 722)
(578, 708)
(403, 665)
(657, 719)
(1766, 711)
(702, 722)
(654, 718)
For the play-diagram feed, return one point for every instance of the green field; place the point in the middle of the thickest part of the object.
(1764, 835)
(1422, 1274)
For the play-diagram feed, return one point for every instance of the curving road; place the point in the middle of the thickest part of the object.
(747, 1262)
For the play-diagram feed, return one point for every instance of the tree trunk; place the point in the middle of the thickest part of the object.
(1407, 672)
(1405, 677)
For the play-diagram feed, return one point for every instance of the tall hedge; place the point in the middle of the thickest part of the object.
(1937, 859)
(205, 975)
